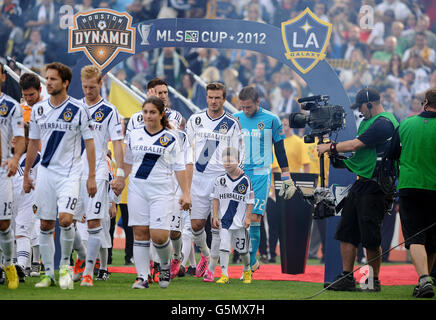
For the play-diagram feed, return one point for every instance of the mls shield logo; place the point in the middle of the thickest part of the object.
(306, 38)
(101, 34)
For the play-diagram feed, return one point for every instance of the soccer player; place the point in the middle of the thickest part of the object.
(209, 133)
(25, 220)
(153, 155)
(107, 126)
(159, 88)
(58, 124)
(262, 129)
(31, 90)
(232, 203)
(11, 125)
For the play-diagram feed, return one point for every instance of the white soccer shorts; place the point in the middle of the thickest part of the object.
(6, 197)
(55, 193)
(201, 189)
(239, 238)
(147, 207)
(25, 221)
(93, 208)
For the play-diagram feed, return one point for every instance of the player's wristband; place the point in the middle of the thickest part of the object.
(120, 173)
(333, 149)
(284, 178)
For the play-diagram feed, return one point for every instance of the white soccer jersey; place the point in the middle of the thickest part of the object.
(136, 121)
(234, 196)
(106, 122)
(61, 130)
(209, 137)
(21, 199)
(11, 124)
(154, 157)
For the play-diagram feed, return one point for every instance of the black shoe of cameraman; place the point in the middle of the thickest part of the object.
(346, 283)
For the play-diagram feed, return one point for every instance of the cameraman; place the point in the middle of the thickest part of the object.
(414, 144)
(364, 206)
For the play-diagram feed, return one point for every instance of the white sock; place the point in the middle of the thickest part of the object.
(78, 246)
(103, 258)
(67, 240)
(214, 250)
(177, 246)
(36, 255)
(23, 251)
(47, 247)
(7, 245)
(224, 262)
(164, 253)
(186, 247)
(245, 257)
(200, 242)
(192, 261)
(141, 255)
(94, 243)
(154, 255)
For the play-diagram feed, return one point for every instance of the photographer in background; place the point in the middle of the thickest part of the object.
(365, 205)
(414, 144)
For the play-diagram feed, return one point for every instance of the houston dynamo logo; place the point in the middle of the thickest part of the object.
(102, 34)
(306, 38)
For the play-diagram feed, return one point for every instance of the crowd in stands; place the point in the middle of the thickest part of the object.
(394, 51)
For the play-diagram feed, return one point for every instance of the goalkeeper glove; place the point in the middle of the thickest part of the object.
(287, 189)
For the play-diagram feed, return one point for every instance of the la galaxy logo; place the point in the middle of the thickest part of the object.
(67, 115)
(260, 125)
(99, 115)
(102, 34)
(164, 140)
(3, 110)
(224, 128)
(242, 188)
(306, 38)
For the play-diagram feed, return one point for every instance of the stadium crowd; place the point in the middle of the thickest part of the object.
(396, 55)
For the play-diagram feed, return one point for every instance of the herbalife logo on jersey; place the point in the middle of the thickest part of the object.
(102, 34)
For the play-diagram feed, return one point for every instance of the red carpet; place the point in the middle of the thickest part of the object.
(389, 275)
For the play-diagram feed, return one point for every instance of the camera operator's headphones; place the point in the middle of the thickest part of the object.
(368, 104)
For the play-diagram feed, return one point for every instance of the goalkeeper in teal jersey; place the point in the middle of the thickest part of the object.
(262, 130)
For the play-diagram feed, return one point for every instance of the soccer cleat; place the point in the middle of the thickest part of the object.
(344, 284)
(79, 268)
(11, 277)
(191, 271)
(175, 265)
(87, 281)
(2, 276)
(35, 270)
(96, 267)
(208, 276)
(423, 290)
(164, 278)
(182, 271)
(246, 277)
(202, 266)
(223, 280)
(140, 284)
(65, 278)
(45, 282)
(20, 272)
(255, 266)
(103, 275)
(156, 272)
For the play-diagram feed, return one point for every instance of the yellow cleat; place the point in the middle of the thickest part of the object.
(223, 280)
(247, 277)
(11, 277)
(45, 282)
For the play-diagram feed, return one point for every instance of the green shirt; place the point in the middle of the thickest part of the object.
(364, 160)
(418, 153)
